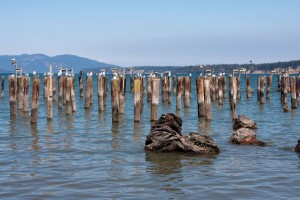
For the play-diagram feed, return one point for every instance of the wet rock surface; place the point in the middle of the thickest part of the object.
(244, 132)
(166, 136)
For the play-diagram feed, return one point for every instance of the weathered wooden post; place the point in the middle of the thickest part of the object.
(284, 85)
(91, 90)
(232, 97)
(26, 93)
(248, 87)
(293, 92)
(207, 99)
(68, 107)
(122, 92)
(220, 90)
(279, 81)
(45, 87)
(115, 99)
(238, 87)
(174, 84)
(258, 88)
(213, 84)
(149, 87)
(297, 87)
(169, 89)
(137, 99)
(101, 91)
(81, 84)
(12, 95)
(2, 86)
(49, 96)
(105, 89)
(35, 100)
(200, 96)
(60, 91)
(224, 87)
(187, 91)
(73, 97)
(89, 82)
(269, 85)
(262, 90)
(180, 80)
(154, 98)
(164, 89)
(20, 92)
(53, 89)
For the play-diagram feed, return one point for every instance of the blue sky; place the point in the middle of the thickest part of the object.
(154, 32)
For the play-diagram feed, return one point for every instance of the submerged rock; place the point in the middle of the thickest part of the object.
(297, 147)
(243, 121)
(245, 136)
(166, 136)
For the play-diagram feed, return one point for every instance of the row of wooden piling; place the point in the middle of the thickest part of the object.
(208, 89)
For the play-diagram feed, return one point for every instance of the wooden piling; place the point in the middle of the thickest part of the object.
(258, 89)
(53, 89)
(20, 92)
(2, 86)
(35, 100)
(154, 98)
(68, 106)
(269, 85)
(213, 84)
(187, 92)
(137, 99)
(149, 88)
(279, 81)
(73, 97)
(262, 90)
(293, 92)
(101, 91)
(248, 87)
(105, 82)
(207, 100)
(169, 89)
(115, 99)
(180, 80)
(220, 90)
(26, 93)
(297, 87)
(49, 96)
(232, 97)
(238, 87)
(81, 84)
(200, 96)
(284, 85)
(164, 89)
(45, 94)
(88, 92)
(60, 91)
(122, 92)
(224, 87)
(12, 95)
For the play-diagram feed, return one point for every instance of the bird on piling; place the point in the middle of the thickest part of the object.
(34, 73)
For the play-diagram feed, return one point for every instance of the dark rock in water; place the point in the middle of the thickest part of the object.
(245, 136)
(297, 147)
(166, 136)
(243, 121)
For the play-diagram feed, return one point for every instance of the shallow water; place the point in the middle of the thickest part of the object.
(86, 156)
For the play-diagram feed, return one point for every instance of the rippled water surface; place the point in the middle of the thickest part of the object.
(86, 156)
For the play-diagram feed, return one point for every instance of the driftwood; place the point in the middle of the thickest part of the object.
(166, 136)
(244, 132)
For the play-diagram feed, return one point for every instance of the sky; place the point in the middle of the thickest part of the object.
(153, 32)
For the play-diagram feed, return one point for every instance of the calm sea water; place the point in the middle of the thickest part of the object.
(85, 156)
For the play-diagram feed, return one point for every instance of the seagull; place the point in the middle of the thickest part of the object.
(91, 73)
(34, 73)
(59, 73)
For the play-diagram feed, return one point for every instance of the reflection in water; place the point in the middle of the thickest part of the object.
(35, 141)
(204, 126)
(137, 132)
(115, 134)
(164, 163)
(49, 126)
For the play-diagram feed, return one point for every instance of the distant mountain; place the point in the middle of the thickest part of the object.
(40, 63)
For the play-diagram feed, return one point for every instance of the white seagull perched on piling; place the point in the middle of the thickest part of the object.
(34, 73)
(59, 73)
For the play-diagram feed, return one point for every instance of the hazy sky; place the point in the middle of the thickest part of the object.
(153, 32)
